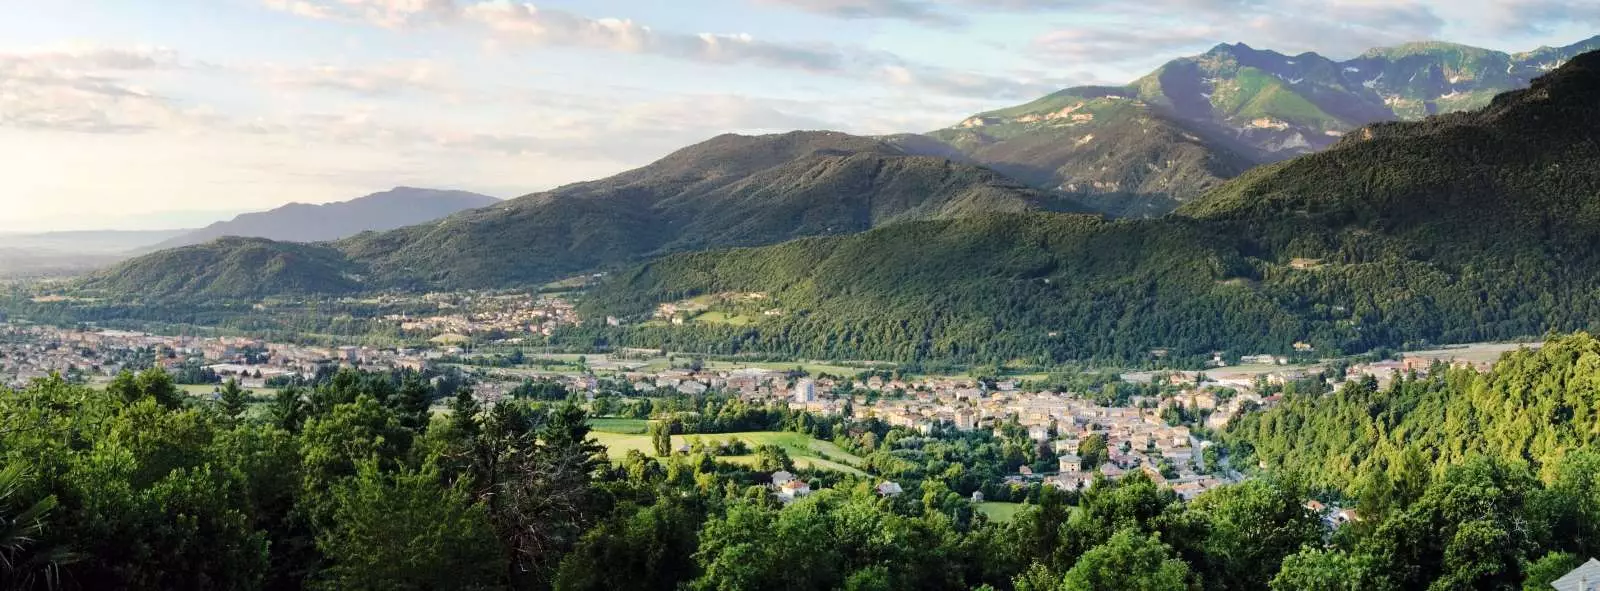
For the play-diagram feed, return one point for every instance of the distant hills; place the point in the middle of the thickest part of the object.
(1177, 132)
(1469, 226)
(231, 268)
(49, 254)
(729, 191)
(300, 222)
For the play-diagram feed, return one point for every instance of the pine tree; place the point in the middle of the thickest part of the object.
(234, 399)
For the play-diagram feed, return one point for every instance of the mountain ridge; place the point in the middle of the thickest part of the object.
(1458, 228)
(305, 222)
(1242, 106)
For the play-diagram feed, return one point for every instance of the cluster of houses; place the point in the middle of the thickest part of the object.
(34, 351)
(471, 315)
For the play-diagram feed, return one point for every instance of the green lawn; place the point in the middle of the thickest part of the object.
(620, 426)
(1000, 512)
(715, 317)
(806, 452)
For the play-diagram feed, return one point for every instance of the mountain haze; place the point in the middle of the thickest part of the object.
(301, 222)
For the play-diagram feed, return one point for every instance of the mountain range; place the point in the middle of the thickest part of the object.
(729, 191)
(1461, 227)
(1455, 227)
(1146, 147)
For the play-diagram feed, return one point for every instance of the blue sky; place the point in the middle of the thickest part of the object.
(150, 113)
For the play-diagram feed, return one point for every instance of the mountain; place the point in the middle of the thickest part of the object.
(729, 191)
(300, 222)
(1179, 131)
(231, 268)
(1461, 227)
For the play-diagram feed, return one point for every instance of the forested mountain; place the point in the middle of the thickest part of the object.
(1175, 133)
(1458, 228)
(230, 268)
(729, 191)
(301, 222)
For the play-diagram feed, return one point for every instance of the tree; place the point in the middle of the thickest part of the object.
(234, 399)
(1547, 569)
(404, 530)
(1093, 451)
(661, 437)
(24, 563)
(1128, 561)
(772, 458)
(289, 409)
(1313, 569)
(1239, 534)
(412, 402)
(638, 549)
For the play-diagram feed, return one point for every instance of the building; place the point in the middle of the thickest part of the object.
(805, 391)
(1070, 463)
(1584, 578)
(793, 489)
(889, 489)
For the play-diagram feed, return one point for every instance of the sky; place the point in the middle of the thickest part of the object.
(144, 114)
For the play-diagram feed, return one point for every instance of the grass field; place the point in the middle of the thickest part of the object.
(1000, 512)
(620, 426)
(806, 452)
(723, 318)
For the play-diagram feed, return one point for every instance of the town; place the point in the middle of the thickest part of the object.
(1139, 431)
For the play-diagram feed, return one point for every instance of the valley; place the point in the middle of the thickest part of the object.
(1255, 320)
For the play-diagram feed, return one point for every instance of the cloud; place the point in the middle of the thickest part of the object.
(1155, 30)
(1119, 43)
(384, 80)
(909, 10)
(520, 24)
(528, 24)
(84, 89)
(1531, 17)
(384, 13)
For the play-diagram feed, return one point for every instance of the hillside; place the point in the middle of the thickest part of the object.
(1459, 228)
(1179, 131)
(301, 222)
(729, 191)
(230, 268)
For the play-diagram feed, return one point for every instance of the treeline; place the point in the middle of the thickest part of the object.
(1535, 406)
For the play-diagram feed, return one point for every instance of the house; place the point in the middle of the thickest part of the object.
(1584, 578)
(1025, 471)
(977, 496)
(889, 489)
(1070, 463)
(793, 489)
(1039, 433)
(692, 388)
(781, 477)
